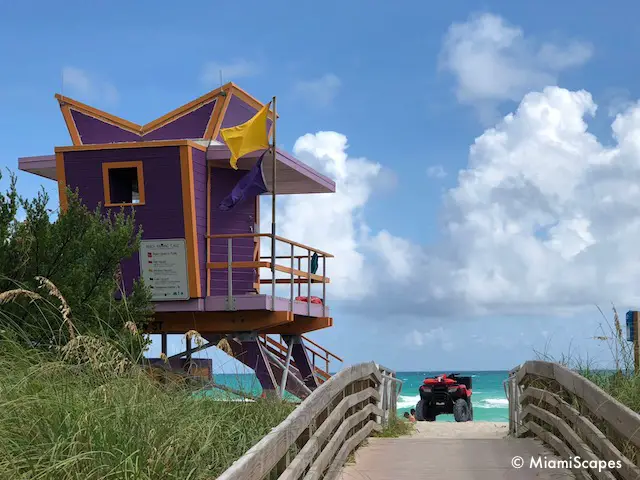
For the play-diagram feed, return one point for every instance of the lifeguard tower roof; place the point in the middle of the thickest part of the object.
(201, 258)
(199, 120)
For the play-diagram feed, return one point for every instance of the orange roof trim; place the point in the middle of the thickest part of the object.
(215, 121)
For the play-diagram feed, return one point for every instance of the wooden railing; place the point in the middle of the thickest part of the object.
(315, 440)
(317, 353)
(576, 418)
(390, 390)
(296, 276)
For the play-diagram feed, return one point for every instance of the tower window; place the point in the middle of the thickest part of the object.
(123, 184)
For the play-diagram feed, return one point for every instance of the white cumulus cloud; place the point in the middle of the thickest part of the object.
(492, 61)
(332, 222)
(544, 219)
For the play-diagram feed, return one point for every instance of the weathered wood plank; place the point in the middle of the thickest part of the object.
(575, 442)
(602, 405)
(308, 452)
(348, 447)
(262, 457)
(558, 445)
(607, 450)
(624, 420)
(337, 440)
(535, 367)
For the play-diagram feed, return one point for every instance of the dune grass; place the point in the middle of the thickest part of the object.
(623, 382)
(64, 421)
(395, 427)
(619, 378)
(76, 398)
(90, 409)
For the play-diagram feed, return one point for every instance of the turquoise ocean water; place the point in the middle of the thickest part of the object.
(489, 401)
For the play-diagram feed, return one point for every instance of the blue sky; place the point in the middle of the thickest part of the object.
(462, 240)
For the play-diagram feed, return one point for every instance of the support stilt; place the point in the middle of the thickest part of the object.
(285, 373)
(246, 349)
(188, 355)
(303, 362)
(165, 347)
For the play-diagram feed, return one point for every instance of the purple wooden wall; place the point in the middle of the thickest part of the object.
(161, 216)
(238, 220)
(200, 200)
(190, 126)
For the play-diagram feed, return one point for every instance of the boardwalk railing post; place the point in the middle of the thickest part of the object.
(514, 404)
(507, 393)
(380, 418)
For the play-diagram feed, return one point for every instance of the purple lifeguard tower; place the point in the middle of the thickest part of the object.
(203, 264)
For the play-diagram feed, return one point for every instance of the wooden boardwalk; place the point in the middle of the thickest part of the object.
(480, 456)
(344, 411)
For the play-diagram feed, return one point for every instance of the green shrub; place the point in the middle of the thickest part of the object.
(79, 251)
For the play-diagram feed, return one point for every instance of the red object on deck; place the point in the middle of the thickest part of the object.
(313, 300)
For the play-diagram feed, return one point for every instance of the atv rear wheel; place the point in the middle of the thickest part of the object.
(419, 411)
(461, 410)
(471, 410)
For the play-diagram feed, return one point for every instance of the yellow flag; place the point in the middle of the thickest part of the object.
(248, 137)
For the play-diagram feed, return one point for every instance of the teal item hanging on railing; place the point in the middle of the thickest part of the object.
(313, 268)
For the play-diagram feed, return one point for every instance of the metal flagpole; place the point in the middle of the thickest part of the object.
(273, 209)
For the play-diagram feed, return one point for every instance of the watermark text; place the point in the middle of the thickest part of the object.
(572, 463)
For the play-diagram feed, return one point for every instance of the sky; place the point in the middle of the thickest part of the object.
(486, 157)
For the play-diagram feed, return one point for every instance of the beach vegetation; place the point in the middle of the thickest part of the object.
(618, 378)
(77, 400)
(395, 427)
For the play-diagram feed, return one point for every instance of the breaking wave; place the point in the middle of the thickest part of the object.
(491, 403)
(407, 401)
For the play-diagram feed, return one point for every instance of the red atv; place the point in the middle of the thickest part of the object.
(445, 394)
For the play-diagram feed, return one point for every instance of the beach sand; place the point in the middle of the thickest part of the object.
(467, 430)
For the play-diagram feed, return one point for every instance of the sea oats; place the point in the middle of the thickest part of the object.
(13, 295)
(225, 346)
(131, 327)
(195, 336)
(64, 306)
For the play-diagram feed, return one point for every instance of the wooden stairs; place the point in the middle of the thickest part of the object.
(319, 360)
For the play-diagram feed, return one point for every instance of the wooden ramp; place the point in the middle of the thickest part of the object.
(338, 417)
(465, 451)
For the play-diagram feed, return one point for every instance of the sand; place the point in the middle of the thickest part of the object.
(467, 430)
